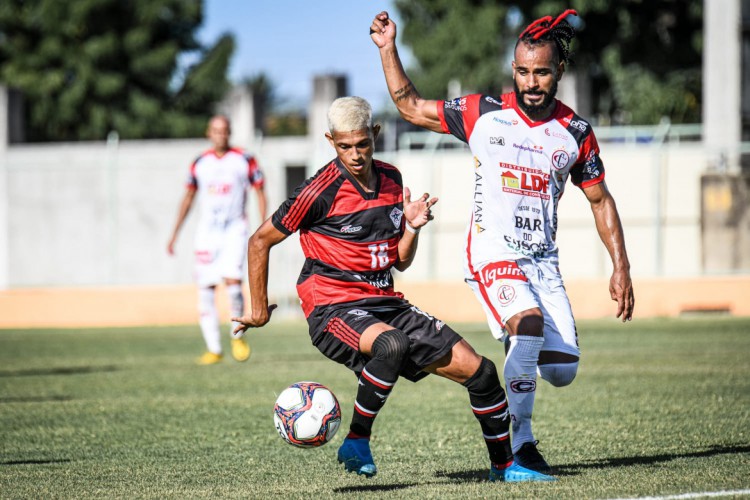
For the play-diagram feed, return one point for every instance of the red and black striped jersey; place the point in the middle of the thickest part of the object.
(349, 236)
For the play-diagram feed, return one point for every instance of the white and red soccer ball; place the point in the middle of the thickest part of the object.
(307, 414)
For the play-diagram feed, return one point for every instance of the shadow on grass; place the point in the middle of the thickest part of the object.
(374, 487)
(63, 370)
(36, 461)
(575, 469)
(466, 476)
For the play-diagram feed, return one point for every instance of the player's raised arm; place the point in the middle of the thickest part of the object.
(609, 227)
(258, 250)
(410, 104)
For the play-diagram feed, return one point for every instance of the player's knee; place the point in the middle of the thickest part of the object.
(485, 380)
(559, 374)
(391, 345)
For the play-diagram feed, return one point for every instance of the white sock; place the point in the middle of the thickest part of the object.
(520, 384)
(236, 305)
(209, 319)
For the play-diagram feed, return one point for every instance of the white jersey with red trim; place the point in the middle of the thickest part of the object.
(520, 171)
(222, 183)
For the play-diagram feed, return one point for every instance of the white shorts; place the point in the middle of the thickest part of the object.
(220, 253)
(509, 287)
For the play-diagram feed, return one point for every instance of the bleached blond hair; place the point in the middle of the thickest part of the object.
(349, 113)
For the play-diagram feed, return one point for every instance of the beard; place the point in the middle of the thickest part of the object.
(535, 111)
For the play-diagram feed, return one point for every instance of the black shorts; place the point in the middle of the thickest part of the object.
(335, 331)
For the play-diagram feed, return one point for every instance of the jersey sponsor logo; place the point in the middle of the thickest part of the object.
(523, 385)
(560, 159)
(511, 166)
(526, 184)
(478, 198)
(501, 121)
(492, 100)
(553, 133)
(506, 270)
(349, 229)
(527, 248)
(219, 188)
(457, 104)
(395, 216)
(498, 141)
(204, 256)
(591, 166)
(579, 124)
(531, 149)
(379, 281)
(506, 294)
(528, 223)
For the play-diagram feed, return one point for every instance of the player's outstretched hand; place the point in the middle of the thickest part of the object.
(252, 321)
(383, 30)
(418, 212)
(621, 291)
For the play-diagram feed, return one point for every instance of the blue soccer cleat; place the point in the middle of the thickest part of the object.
(356, 456)
(516, 474)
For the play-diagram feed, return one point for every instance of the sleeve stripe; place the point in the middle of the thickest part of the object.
(441, 116)
(305, 199)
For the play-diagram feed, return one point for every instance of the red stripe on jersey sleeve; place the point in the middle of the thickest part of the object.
(441, 116)
(256, 180)
(302, 204)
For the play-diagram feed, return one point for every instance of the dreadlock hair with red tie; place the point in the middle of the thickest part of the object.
(549, 29)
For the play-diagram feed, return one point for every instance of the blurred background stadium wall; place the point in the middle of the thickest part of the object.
(84, 225)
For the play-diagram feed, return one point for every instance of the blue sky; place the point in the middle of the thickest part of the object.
(293, 40)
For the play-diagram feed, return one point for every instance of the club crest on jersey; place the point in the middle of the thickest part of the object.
(506, 294)
(395, 216)
(560, 159)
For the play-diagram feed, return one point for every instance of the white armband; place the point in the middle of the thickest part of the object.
(411, 229)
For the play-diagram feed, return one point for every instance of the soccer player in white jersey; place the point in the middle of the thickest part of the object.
(526, 144)
(221, 177)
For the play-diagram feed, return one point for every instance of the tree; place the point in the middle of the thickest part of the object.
(91, 66)
(643, 58)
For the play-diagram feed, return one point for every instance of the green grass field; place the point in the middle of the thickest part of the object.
(659, 407)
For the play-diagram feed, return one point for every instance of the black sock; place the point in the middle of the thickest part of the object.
(389, 351)
(490, 407)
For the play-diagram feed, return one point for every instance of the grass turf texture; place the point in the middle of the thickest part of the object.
(659, 407)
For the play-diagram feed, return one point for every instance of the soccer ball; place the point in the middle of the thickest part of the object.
(307, 414)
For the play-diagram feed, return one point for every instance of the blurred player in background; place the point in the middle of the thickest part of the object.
(221, 178)
(356, 223)
(526, 144)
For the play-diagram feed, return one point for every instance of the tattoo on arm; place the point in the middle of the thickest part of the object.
(404, 92)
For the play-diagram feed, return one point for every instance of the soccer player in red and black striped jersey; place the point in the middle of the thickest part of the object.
(526, 144)
(357, 222)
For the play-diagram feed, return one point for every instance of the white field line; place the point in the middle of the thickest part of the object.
(703, 494)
